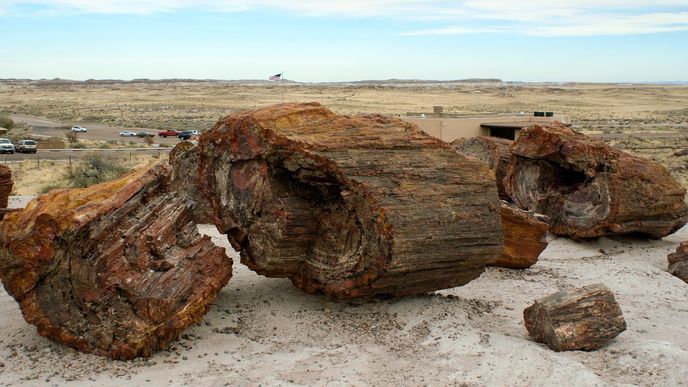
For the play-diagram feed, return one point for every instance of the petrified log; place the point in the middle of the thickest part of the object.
(678, 262)
(588, 189)
(348, 206)
(525, 237)
(6, 185)
(117, 269)
(585, 318)
(493, 151)
(184, 181)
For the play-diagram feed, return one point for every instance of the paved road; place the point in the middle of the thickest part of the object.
(74, 154)
(47, 127)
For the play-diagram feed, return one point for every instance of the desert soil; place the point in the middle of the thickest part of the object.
(184, 105)
(265, 331)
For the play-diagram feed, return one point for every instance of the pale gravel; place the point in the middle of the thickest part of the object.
(264, 331)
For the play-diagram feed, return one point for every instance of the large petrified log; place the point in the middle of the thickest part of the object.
(348, 206)
(493, 151)
(525, 234)
(584, 318)
(117, 269)
(678, 262)
(525, 237)
(6, 185)
(588, 189)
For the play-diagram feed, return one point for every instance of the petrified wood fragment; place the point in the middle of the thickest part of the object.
(588, 189)
(493, 151)
(6, 185)
(525, 237)
(349, 206)
(678, 262)
(584, 318)
(117, 269)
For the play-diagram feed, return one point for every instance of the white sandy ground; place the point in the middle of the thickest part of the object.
(264, 331)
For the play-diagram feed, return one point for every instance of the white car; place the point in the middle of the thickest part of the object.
(6, 146)
(127, 133)
(79, 129)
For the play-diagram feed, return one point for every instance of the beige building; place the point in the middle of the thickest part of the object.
(451, 127)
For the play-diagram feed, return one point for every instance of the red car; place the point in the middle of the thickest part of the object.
(166, 133)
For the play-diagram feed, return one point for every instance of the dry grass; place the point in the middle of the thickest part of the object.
(184, 105)
(200, 104)
(32, 178)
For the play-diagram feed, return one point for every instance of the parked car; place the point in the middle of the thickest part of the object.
(168, 133)
(26, 146)
(79, 129)
(126, 133)
(185, 135)
(6, 146)
(144, 134)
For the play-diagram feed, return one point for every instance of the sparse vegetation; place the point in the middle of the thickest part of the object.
(6, 122)
(95, 168)
(72, 137)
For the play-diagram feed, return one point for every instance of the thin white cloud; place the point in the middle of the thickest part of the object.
(526, 17)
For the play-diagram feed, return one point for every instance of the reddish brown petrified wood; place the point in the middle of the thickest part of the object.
(585, 318)
(117, 269)
(348, 206)
(491, 150)
(678, 262)
(525, 237)
(6, 185)
(588, 189)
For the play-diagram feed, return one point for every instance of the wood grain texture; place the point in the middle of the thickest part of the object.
(491, 150)
(348, 206)
(6, 185)
(585, 318)
(678, 262)
(117, 269)
(588, 189)
(525, 237)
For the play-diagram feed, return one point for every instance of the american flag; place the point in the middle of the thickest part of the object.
(275, 77)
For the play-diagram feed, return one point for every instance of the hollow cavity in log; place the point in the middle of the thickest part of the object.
(588, 189)
(349, 206)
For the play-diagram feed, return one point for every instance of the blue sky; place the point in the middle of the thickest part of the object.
(339, 40)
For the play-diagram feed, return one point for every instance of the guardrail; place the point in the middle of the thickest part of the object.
(67, 154)
(105, 150)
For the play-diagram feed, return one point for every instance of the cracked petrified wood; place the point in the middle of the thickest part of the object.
(493, 151)
(117, 269)
(6, 185)
(678, 262)
(525, 237)
(588, 189)
(348, 206)
(585, 318)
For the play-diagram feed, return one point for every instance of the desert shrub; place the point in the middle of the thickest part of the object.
(77, 145)
(96, 168)
(6, 122)
(163, 145)
(49, 187)
(72, 137)
(148, 140)
(104, 146)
